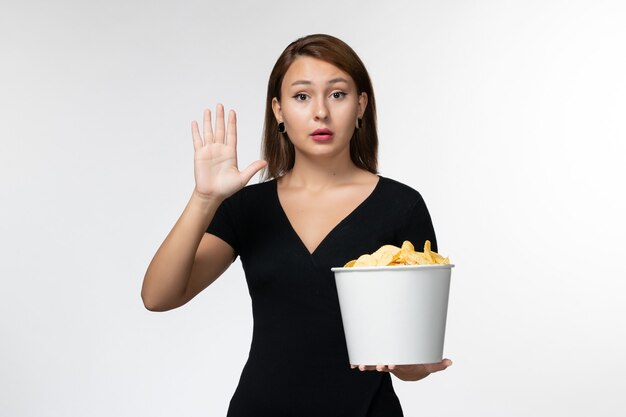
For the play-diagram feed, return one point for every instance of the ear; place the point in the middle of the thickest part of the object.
(362, 103)
(278, 113)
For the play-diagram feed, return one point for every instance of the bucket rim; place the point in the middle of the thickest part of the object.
(390, 268)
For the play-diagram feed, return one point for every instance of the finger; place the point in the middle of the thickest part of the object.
(231, 132)
(434, 368)
(252, 169)
(440, 366)
(195, 134)
(219, 125)
(208, 127)
(443, 364)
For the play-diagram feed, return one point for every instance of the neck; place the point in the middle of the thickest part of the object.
(321, 173)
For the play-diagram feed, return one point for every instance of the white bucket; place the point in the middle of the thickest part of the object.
(394, 315)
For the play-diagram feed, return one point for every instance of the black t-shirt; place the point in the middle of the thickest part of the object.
(298, 362)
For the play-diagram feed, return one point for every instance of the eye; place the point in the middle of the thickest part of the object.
(300, 97)
(339, 94)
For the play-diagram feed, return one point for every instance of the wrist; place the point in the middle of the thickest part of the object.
(204, 205)
(206, 199)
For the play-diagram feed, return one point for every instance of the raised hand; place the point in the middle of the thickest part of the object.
(215, 157)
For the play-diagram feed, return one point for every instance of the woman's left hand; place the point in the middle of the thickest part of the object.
(408, 372)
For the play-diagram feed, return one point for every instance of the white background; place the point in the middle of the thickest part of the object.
(508, 117)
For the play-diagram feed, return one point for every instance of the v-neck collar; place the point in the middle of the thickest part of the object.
(331, 231)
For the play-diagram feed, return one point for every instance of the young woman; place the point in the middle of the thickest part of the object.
(321, 205)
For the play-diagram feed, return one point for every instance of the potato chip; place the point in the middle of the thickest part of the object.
(390, 255)
(408, 246)
(365, 260)
(385, 255)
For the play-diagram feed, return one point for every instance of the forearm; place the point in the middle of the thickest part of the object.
(168, 274)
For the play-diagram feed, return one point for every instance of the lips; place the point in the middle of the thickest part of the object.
(322, 134)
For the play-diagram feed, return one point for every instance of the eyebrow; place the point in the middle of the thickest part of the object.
(333, 81)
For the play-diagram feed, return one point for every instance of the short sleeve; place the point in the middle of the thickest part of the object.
(224, 225)
(418, 227)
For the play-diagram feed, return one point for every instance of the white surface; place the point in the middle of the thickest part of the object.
(508, 117)
(394, 315)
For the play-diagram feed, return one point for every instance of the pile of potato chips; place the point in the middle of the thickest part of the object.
(389, 255)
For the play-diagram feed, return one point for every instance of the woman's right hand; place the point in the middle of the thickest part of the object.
(215, 157)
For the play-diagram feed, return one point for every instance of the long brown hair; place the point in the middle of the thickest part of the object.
(277, 149)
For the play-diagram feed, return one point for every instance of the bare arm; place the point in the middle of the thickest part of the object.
(189, 259)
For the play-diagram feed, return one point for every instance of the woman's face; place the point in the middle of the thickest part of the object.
(319, 106)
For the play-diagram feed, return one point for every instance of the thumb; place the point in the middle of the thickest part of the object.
(252, 169)
(436, 367)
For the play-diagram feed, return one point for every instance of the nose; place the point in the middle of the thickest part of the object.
(321, 111)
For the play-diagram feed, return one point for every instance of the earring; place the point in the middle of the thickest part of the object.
(359, 123)
(281, 127)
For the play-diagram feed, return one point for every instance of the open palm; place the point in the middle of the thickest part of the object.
(215, 157)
